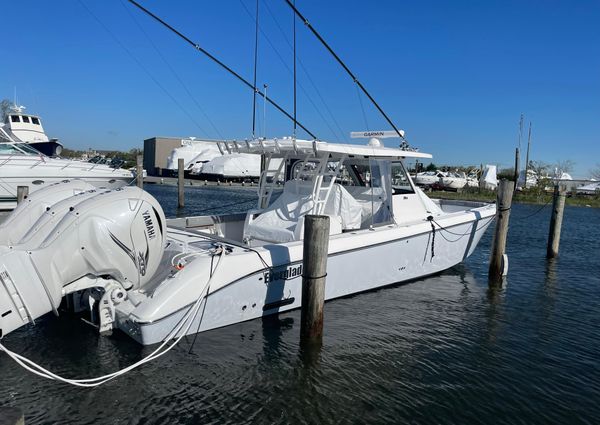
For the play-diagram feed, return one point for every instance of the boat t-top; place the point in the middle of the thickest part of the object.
(151, 277)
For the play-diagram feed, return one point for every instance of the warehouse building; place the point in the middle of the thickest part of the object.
(156, 152)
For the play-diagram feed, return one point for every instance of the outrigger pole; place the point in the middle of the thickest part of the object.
(255, 65)
(222, 65)
(337, 58)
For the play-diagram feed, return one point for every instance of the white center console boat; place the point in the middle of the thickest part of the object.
(157, 279)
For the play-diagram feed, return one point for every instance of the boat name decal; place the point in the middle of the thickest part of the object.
(288, 273)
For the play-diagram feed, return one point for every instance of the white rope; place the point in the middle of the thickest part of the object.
(186, 320)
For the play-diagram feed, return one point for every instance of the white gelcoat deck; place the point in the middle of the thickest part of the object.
(358, 261)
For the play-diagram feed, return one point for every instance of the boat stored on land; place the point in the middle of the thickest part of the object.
(158, 279)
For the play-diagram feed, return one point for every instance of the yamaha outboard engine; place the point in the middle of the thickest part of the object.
(33, 206)
(113, 240)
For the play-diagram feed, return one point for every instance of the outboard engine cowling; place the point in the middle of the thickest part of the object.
(117, 234)
(29, 211)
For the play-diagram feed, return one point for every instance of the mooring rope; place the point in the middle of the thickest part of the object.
(535, 212)
(460, 235)
(186, 321)
(431, 221)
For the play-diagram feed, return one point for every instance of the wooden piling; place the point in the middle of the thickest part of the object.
(517, 166)
(558, 207)
(139, 172)
(22, 193)
(314, 272)
(11, 416)
(497, 259)
(180, 183)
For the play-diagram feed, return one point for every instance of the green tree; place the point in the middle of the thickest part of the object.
(5, 105)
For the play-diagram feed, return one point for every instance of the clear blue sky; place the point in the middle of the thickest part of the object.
(455, 75)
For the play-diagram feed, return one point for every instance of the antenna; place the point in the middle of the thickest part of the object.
(527, 156)
(221, 64)
(520, 130)
(337, 58)
(265, 112)
(254, 84)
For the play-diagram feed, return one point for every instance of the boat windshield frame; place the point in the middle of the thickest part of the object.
(18, 148)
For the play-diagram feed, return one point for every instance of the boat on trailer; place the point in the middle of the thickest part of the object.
(158, 279)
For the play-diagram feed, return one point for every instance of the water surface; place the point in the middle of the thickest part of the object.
(445, 349)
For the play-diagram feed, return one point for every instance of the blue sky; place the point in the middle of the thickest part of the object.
(455, 75)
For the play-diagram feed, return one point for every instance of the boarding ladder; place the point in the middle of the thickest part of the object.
(323, 181)
(268, 180)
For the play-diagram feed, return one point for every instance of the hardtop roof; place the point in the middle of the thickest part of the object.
(288, 145)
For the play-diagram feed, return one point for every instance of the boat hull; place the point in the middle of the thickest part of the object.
(263, 291)
(8, 185)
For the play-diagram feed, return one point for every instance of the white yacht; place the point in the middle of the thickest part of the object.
(19, 126)
(21, 165)
(428, 178)
(158, 279)
(454, 180)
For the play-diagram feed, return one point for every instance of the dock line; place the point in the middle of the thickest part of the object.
(186, 320)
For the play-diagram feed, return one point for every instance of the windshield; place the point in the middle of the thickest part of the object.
(17, 149)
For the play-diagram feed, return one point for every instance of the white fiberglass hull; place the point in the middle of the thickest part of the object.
(453, 183)
(242, 288)
(37, 173)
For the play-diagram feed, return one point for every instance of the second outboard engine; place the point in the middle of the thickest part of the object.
(113, 240)
(33, 206)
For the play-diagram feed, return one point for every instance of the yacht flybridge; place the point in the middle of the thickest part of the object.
(22, 127)
(158, 279)
(27, 159)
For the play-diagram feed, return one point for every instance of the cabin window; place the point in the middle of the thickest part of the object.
(25, 119)
(400, 180)
(15, 118)
(8, 149)
(306, 170)
(35, 120)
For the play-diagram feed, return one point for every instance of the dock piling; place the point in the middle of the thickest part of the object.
(139, 172)
(558, 207)
(11, 416)
(180, 183)
(517, 166)
(314, 272)
(22, 193)
(498, 266)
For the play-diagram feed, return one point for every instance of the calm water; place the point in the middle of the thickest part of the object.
(440, 350)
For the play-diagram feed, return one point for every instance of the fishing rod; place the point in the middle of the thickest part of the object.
(337, 58)
(222, 65)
